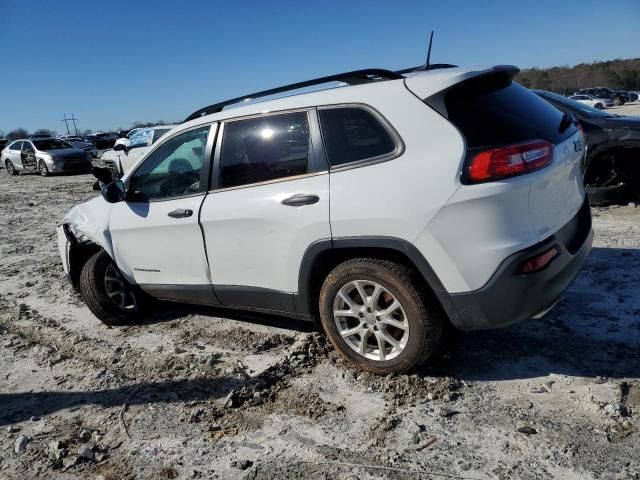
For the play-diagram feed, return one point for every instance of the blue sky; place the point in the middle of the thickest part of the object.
(114, 62)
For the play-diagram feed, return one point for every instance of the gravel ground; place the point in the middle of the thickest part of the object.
(204, 393)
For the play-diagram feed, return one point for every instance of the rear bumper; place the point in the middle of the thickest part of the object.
(510, 297)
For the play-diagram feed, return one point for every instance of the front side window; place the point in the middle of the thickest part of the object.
(352, 134)
(265, 148)
(27, 147)
(172, 170)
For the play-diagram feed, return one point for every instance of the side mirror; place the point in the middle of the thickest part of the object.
(113, 192)
(119, 147)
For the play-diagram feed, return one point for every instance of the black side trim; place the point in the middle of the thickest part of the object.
(255, 298)
(303, 298)
(196, 294)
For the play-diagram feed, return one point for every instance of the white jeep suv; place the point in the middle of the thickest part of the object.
(385, 207)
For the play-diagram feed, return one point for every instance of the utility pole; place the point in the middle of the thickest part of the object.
(66, 122)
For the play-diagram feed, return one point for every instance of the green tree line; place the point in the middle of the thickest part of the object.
(616, 74)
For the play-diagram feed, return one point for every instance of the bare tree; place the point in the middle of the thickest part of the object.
(17, 134)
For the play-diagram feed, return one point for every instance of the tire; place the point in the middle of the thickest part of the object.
(42, 168)
(617, 101)
(93, 287)
(11, 170)
(603, 196)
(420, 317)
(599, 106)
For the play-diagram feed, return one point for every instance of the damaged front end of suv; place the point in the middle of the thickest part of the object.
(83, 232)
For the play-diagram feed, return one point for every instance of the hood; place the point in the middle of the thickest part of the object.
(65, 153)
(625, 123)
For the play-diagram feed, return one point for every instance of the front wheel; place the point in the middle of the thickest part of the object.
(377, 317)
(42, 168)
(107, 293)
(11, 170)
(599, 106)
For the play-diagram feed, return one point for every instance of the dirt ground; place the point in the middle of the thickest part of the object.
(201, 393)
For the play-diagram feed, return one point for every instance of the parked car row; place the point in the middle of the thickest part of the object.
(605, 97)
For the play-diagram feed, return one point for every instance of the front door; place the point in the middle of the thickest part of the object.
(270, 202)
(157, 241)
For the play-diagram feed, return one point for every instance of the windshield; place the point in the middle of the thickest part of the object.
(581, 108)
(52, 144)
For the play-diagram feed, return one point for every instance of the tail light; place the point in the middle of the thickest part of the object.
(510, 161)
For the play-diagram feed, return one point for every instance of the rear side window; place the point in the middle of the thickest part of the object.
(16, 146)
(353, 134)
(265, 148)
(493, 111)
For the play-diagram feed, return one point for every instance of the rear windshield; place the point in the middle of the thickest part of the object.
(493, 111)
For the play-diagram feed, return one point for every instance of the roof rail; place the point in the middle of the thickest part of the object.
(352, 78)
(424, 68)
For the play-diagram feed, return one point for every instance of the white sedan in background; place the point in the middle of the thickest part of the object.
(122, 157)
(594, 102)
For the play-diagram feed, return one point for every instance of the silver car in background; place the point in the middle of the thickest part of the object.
(45, 155)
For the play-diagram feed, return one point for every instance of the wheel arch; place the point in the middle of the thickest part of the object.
(621, 152)
(79, 254)
(323, 255)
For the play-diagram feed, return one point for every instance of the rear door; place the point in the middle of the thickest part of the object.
(270, 202)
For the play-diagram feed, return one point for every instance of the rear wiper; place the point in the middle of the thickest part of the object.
(567, 120)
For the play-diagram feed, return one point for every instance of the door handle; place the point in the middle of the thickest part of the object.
(300, 199)
(181, 213)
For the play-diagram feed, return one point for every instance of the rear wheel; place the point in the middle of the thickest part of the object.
(617, 101)
(599, 106)
(42, 168)
(376, 316)
(11, 170)
(107, 293)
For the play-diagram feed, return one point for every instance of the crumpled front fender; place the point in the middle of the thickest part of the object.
(89, 221)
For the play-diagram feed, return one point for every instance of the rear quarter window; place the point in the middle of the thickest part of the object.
(493, 111)
(353, 134)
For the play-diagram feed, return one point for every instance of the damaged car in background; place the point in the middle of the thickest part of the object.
(125, 155)
(231, 209)
(46, 156)
(612, 166)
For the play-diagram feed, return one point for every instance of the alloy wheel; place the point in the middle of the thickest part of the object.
(371, 320)
(118, 289)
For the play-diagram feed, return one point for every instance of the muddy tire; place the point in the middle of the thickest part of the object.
(377, 317)
(603, 196)
(11, 170)
(100, 282)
